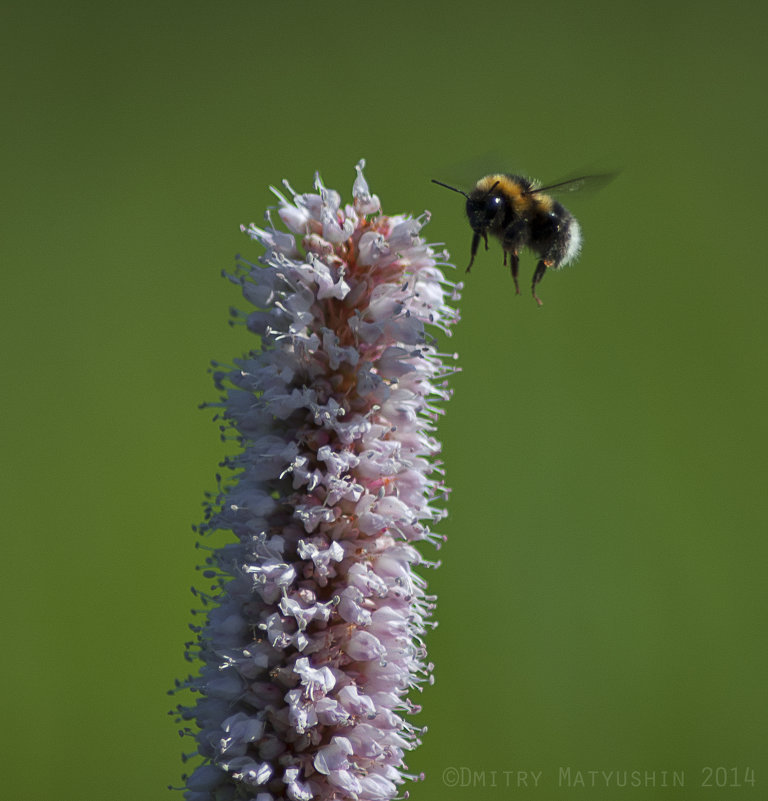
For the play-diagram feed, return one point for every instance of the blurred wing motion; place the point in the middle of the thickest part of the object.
(589, 182)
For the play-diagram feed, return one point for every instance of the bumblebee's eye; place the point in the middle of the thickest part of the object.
(493, 203)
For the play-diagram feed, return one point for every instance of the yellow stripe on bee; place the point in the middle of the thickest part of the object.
(522, 202)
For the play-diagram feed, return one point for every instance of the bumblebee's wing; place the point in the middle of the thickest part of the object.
(591, 182)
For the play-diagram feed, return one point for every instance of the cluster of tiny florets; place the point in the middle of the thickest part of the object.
(313, 635)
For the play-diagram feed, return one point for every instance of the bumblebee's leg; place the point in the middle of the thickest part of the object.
(475, 244)
(514, 263)
(514, 238)
(541, 268)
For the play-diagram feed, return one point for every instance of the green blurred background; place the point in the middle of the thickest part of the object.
(602, 592)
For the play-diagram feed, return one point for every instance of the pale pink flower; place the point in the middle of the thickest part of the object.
(314, 634)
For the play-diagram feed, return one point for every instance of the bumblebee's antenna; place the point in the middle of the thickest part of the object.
(462, 192)
(452, 188)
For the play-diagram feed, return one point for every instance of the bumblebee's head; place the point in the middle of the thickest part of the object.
(483, 208)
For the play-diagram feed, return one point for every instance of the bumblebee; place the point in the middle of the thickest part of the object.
(520, 214)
